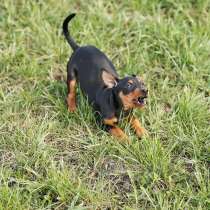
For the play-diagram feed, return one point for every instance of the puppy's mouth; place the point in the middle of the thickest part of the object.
(140, 101)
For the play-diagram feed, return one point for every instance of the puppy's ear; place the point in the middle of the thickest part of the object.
(109, 79)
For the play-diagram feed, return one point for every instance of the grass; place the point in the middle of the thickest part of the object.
(52, 159)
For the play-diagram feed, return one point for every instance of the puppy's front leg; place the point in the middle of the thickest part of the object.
(115, 130)
(136, 125)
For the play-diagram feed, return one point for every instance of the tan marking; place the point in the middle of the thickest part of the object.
(136, 125)
(130, 81)
(119, 134)
(108, 79)
(110, 121)
(127, 100)
(71, 98)
(116, 131)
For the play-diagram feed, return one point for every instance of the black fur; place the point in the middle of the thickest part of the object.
(86, 66)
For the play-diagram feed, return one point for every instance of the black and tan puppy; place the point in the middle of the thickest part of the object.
(99, 80)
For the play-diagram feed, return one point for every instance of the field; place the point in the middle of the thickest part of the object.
(53, 159)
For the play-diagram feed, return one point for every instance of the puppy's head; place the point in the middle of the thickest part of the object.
(132, 92)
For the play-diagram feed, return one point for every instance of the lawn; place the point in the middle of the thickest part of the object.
(53, 159)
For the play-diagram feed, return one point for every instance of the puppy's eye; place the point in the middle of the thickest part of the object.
(129, 85)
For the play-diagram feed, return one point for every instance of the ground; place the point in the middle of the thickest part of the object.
(53, 159)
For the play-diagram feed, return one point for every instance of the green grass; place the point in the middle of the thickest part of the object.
(52, 159)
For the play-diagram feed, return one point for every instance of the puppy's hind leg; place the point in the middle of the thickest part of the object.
(71, 86)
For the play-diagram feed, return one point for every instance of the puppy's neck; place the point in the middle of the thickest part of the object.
(116, 99)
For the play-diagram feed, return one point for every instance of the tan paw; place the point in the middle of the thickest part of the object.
(71, 103)
(120, 135)
(141, 132)
(72, 108)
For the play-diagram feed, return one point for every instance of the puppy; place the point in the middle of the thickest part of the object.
(106, 92)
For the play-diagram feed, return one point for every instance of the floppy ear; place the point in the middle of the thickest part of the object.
(109, 79)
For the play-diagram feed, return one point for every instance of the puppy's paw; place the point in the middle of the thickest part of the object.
(120, 135)
(71, 103)
(124, 139)
(141, 132)
(72, 108)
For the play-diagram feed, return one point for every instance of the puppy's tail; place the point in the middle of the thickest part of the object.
(71, 42)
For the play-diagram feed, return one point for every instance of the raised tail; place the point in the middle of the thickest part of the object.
(71, 42)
